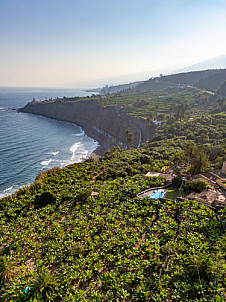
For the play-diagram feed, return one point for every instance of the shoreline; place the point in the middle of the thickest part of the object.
(105, 140)
(96, 153)
(107, 125)
(104, 143)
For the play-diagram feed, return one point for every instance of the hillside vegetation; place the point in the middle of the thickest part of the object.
(81, 233)
(206, 79)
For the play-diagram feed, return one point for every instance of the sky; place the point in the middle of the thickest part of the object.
(89, 43)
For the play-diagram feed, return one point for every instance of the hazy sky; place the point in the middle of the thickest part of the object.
(79, 42)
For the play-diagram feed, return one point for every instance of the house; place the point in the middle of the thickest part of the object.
(220, 201)
(208, 197)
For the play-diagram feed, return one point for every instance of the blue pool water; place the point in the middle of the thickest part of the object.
(158, 194)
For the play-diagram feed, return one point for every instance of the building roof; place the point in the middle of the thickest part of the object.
(94, 193)
(206, 195)
(168, 177)
(152, 174)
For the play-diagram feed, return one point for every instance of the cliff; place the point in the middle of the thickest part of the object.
(105, 124)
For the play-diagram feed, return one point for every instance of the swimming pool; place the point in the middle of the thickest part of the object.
(157, 194)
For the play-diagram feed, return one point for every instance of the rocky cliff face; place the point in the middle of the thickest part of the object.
(105, 124)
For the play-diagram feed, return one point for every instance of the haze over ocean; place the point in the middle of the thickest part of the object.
(30, 144)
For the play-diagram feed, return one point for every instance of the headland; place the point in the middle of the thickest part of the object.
(107, 125)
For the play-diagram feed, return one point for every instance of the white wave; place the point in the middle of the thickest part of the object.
(55, 153)
(8, 189)
(7, 192)
(78, 134)
(60, 163)
(46, 162)
(73, 150)
(81, 151)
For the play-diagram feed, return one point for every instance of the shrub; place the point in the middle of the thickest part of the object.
(83, 195)
(43, 199)
(177, 182)
(43, 283)
(196, 185)
(7, 269)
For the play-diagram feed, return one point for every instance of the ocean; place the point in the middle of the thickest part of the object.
(30, 144)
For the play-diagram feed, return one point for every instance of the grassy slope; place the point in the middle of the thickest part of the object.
(116, 247)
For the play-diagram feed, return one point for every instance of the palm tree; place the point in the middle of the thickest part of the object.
(43, 282)
(7, 269)
(129, 137)
(189, 153)
(200, 162)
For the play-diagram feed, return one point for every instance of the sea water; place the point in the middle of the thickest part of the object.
(30, 144)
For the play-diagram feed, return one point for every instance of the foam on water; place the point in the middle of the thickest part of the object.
(73, 150)
(78, 134)
(46, 162)
(55, 153)
(8, 189)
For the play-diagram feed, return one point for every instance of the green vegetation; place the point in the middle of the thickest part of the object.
(7, 269)
(62, 243)
(148, 103)
(196, 185)
(114, 246)
(172, 193)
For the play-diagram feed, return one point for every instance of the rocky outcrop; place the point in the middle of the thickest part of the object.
(105, 124)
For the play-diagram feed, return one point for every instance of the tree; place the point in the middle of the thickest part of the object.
(196, 158)
(7, 269)
(196, 185)
(43, 283)
(200, 163)
(43, 199)
(129, 138)
(83, 195)
(189, 153)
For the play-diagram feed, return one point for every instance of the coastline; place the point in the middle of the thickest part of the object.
(100, 150)
(83, 119)
(105, 124)
(104, 142)
(96, 151)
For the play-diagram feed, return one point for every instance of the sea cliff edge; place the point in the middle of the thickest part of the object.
(107, 125)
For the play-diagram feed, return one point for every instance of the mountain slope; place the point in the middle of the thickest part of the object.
(205, 79)
(222, 89)
(213, 81)
(213, 63)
